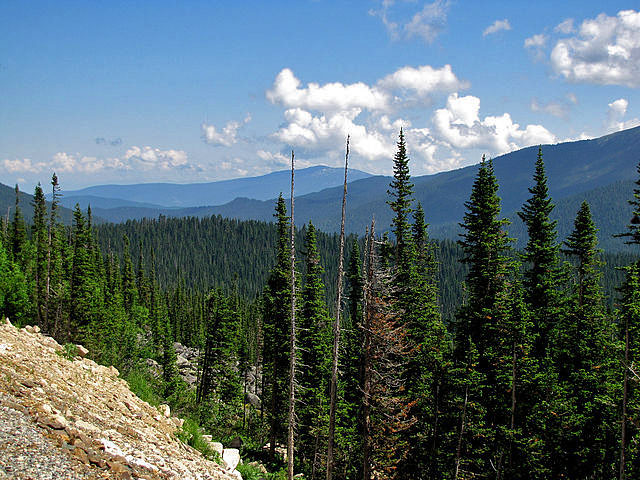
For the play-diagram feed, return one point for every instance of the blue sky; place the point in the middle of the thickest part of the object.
(128, 92)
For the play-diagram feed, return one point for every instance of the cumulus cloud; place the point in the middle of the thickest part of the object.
(317, 119)
(22, 165)
(497, 26)
(605, 51)
(460, 125)
(425, 24)
(424, 80)
(324, 132)
(334, 96)
(615, 116)
(148, 158)
(135, 158)
(226, 137)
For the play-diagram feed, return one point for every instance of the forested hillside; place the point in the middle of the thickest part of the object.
(452, 360)
(589, 169)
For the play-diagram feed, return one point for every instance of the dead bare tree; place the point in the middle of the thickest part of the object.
(366, 322)
(336, 329)
(292, 338)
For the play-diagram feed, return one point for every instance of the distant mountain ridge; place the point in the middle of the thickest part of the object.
(174, 195)
(596, 169)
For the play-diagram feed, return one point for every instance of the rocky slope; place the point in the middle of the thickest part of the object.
(62, 418)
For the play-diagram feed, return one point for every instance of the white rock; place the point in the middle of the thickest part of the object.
(82, 352)
(165, 410)
(236, 474)
(111, 448)
(217, 447)
(131, 460)
(231, 457)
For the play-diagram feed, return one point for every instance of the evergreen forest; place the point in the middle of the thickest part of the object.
(422, 360)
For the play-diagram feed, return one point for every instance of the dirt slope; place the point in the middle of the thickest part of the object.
(84, 417)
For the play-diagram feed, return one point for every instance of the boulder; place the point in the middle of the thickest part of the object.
(231, 457)
(217, 447)
(165, 410)
(82, 352)
(252, 399)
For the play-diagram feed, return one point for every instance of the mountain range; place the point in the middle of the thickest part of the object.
(600, 170)
(175, 195)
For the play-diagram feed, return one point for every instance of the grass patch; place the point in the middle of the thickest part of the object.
(192, 436)
(142, 384)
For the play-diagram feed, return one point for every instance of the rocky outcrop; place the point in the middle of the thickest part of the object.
(91, 416)
(187, 363)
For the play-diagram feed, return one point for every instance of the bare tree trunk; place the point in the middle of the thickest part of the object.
(292, 339)
(336, 329)
(366, 387)
(462, 423)
(625, 390)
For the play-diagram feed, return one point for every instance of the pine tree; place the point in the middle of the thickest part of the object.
(485, 246)
(276, 319)
(401, 191)
(18, 234)
(85, 293)
(39, 237)
(129, 290)
(427, 364)
(350, 421)
(541, 257)
(630, 402)
(315, 356)
(585, 355)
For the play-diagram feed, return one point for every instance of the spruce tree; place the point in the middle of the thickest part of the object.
(18, 233)
(315, 356)
(401, 191)
(276, 319)
(541, 257)
(585, 355)
(485, 245)
(39, 236)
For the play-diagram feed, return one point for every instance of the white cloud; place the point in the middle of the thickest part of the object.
(536, 41)
(565, 27)
(557, 109)
(22, 165)
(460, 125)
(276, 159)
(326, 132)
(605, 51)
(148, 158)
(63, 162)
(227, 137)
(497, 26)
(426, 23)
(334, 96)
(317, 120)
(615, 116)
(429, 22)
(424, 80)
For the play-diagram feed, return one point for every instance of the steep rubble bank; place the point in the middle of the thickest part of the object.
(89, 415)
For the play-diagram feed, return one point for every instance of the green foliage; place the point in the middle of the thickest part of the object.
(192, 436)
(69, 351)
(144, 386)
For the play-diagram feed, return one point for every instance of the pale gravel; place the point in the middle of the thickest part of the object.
(26, 454)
